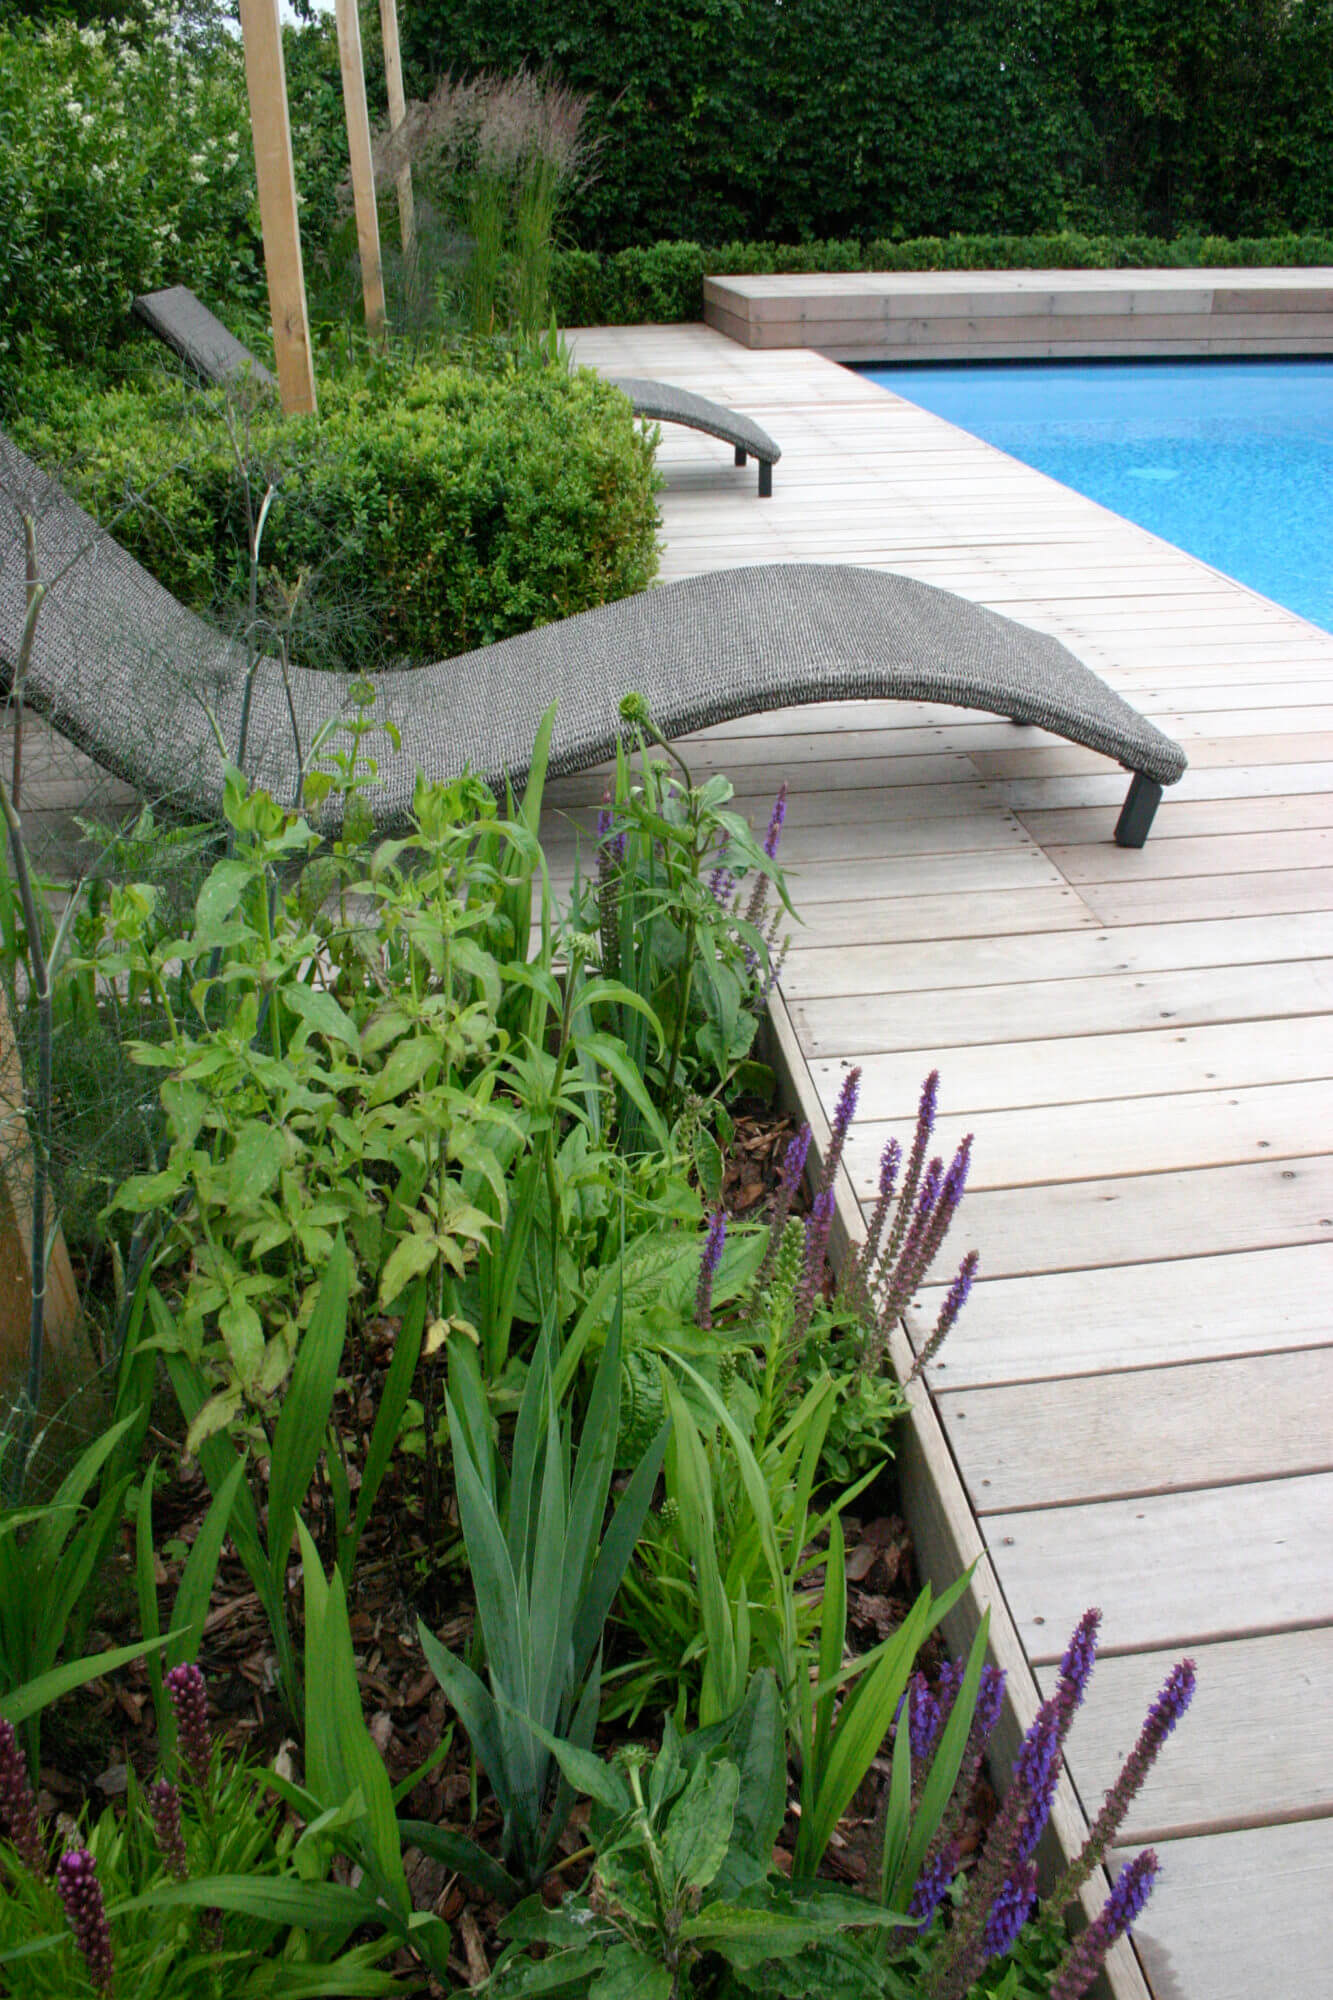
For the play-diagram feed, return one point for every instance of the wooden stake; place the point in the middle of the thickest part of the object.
(393, 79)
(363, 173)
(275, 176)
(68, 1358)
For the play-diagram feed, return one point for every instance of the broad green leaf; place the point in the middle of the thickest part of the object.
(255, 1162)
(404, 1068)
(38, 1694)
(698, 1831)
(411, 1257)
(321, 1012)
(631, 1975)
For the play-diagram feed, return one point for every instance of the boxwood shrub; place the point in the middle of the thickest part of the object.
(663, 282)
(434, 510)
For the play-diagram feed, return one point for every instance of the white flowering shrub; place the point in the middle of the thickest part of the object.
(126, 164)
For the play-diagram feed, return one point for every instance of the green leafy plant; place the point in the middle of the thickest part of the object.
(683, 1880)
(545, 1572)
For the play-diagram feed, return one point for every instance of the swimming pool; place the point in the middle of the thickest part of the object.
(1231, 460)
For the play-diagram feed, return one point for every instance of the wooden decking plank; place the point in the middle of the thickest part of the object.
(1001, 959)
(1066, 1323)
(1173, 1570)
(1234, 1760)
(1114, 1003)
(1225, 854)
(1241, 1916)
(896, 918)
(1112, 1436)
(1094, 1141)
(1183, 819)
(1150, 1218)
(1078, 1069)
(1281, 889)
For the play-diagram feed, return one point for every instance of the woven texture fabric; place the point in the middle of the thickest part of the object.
(199, 337)
(665, 404)
(148, 689)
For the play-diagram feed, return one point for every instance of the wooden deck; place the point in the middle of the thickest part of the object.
(1138, 1396)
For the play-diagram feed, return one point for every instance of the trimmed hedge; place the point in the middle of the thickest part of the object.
(436, 511)
(663, 282)
(797, 119)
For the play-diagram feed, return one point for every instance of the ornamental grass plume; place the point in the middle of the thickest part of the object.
(81, 1893)
(18, 1808)
(708, 1263)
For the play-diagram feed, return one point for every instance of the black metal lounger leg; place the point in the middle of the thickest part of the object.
(740, 454)
(765, 479)
(1141, 802)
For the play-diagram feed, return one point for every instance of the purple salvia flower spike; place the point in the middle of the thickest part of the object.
(775, 822)
(1076, 1667)
(1123, 1906)
(1175, 1697)
(818, 1226)
(924, 1718)
(189, 1700)
(990, 1701)
(81, 1893)
(933, 1882)
(1036, 1774)
(18, 1807)
(955, 1299)
(708, 1263)
(1008, 1912)
(789, 1180)
(843, 1113)
(164, 1803)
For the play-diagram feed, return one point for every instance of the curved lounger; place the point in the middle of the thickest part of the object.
(665, 404)
(133, 678)
(177, 317)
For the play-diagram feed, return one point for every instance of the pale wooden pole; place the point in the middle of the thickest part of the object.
(363, 172)
(69, 1359)
(393, 80)
(275, 177)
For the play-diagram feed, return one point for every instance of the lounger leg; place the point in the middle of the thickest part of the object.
(765, 479)
(740, 454)
(1141, 802)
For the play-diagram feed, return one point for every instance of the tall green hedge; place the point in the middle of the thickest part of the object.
(424, 511)
(792, 119)
(664, 282)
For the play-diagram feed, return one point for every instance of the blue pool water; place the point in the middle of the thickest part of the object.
(1232, 460)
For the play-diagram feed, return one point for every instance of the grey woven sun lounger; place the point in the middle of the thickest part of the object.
(147, 689)
(665, 404)
(199, 337)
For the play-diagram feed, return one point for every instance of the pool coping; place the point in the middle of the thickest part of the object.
(888, 316)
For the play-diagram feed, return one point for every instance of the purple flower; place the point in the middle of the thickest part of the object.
(990, 1700)
(793, 1160)
(789, 1179)
(775, 819)
(1008, 1912)
(720, 885)
(843, 1113)
(164, 1803)
(708, 1263)
(18, 1807)
(1036, 1774)
(1123, 1907)
(818, 1225)
(1175, 1697)
(923, 1717)
(889, 1161)
(933, 1882)
(81, 1893)
(1076, 1667)
(189, 1700)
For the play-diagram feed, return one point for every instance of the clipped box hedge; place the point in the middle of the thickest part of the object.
(662, 283)
(433, 511)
